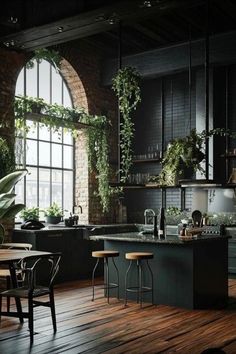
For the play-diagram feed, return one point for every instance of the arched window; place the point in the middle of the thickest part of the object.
(48, 155)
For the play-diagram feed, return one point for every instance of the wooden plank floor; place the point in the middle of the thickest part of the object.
(87, 327)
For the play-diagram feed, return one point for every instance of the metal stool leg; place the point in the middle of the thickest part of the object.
(118, 281)
(150, 270)
(126, 275)
(140, 283)
(94, 269)
(106, 280)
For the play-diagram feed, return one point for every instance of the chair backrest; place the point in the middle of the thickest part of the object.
(39, 270)
(16, 245)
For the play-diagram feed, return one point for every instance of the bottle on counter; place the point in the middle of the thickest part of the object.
(155, 230)
(162, 225)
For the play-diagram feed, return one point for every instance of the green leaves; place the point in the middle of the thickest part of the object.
(97, 148)
(8, 182)
(126, 87)
(7, 208)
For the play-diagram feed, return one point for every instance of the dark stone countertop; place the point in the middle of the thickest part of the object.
(149, 238)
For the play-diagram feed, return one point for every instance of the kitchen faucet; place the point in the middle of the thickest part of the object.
(149, 214)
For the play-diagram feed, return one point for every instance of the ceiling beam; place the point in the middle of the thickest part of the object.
(89, 23)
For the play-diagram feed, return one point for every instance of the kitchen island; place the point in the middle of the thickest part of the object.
(191, 274)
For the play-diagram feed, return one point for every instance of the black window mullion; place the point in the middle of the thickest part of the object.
(37, 139)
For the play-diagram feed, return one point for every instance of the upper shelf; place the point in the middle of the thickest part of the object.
(183, 184)
(147, 160)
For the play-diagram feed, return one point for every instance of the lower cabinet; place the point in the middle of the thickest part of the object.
(232, 256)
(76, 261)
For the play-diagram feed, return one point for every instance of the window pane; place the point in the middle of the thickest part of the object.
(31, 81)
(31, 187)
(44, 154)
(19, 190)
(44, 188)
(68, 157)
(42, 146)
(44, 132)
(19, 151)
(31, 152)
(67, 99)
(67, 139)
(57, 186)
(20, 84)
(32, 129)
(56, 155)
(56, 87)
(57, 136)
(44, 80)
(68, 190)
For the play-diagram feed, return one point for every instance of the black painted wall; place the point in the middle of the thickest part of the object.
(164, 101)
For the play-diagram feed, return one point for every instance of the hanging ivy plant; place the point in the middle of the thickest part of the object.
(51, 55)
(186, 153)
(7, 159)
(126, 86)
(55, 116)
(97, 134)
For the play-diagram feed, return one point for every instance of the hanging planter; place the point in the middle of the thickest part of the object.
(183, 156)
(126, 87)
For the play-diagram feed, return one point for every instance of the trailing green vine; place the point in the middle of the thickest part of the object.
(51, 55)
(55, 116)
(97, 134)
(127, 89)
(51, 115)
(7, 159)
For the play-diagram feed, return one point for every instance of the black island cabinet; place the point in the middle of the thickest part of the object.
(190, 274)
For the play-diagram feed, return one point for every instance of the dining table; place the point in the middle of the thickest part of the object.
(9, 257)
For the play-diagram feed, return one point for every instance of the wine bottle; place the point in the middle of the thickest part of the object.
(155, 231)
(162, 225)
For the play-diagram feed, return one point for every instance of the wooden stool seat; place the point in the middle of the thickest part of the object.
(139, 288)
(107, 285)
(104, 254)
(139, 255)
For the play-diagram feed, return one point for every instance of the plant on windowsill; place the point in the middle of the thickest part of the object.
(186, 154)
(53, 214)
(126, 86)
(52, 115)
(30, 213)
(7, 207)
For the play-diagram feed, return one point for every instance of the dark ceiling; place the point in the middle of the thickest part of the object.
(138, 25)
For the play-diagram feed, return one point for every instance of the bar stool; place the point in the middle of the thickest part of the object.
(139, 288)
(105, 255)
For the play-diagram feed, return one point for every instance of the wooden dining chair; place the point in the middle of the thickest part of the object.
(5, 273)
(33, 288)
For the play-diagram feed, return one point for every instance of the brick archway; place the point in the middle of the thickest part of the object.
(79, 99)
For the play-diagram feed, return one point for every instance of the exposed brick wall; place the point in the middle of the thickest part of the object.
(81, 69)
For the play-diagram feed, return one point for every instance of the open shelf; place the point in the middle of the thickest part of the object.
(147, 160)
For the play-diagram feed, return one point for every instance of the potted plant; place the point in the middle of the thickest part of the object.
(53, 214)
(7, 197)
(30, 213)
(183, 156)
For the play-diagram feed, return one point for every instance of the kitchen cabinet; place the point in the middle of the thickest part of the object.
(76, 261)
